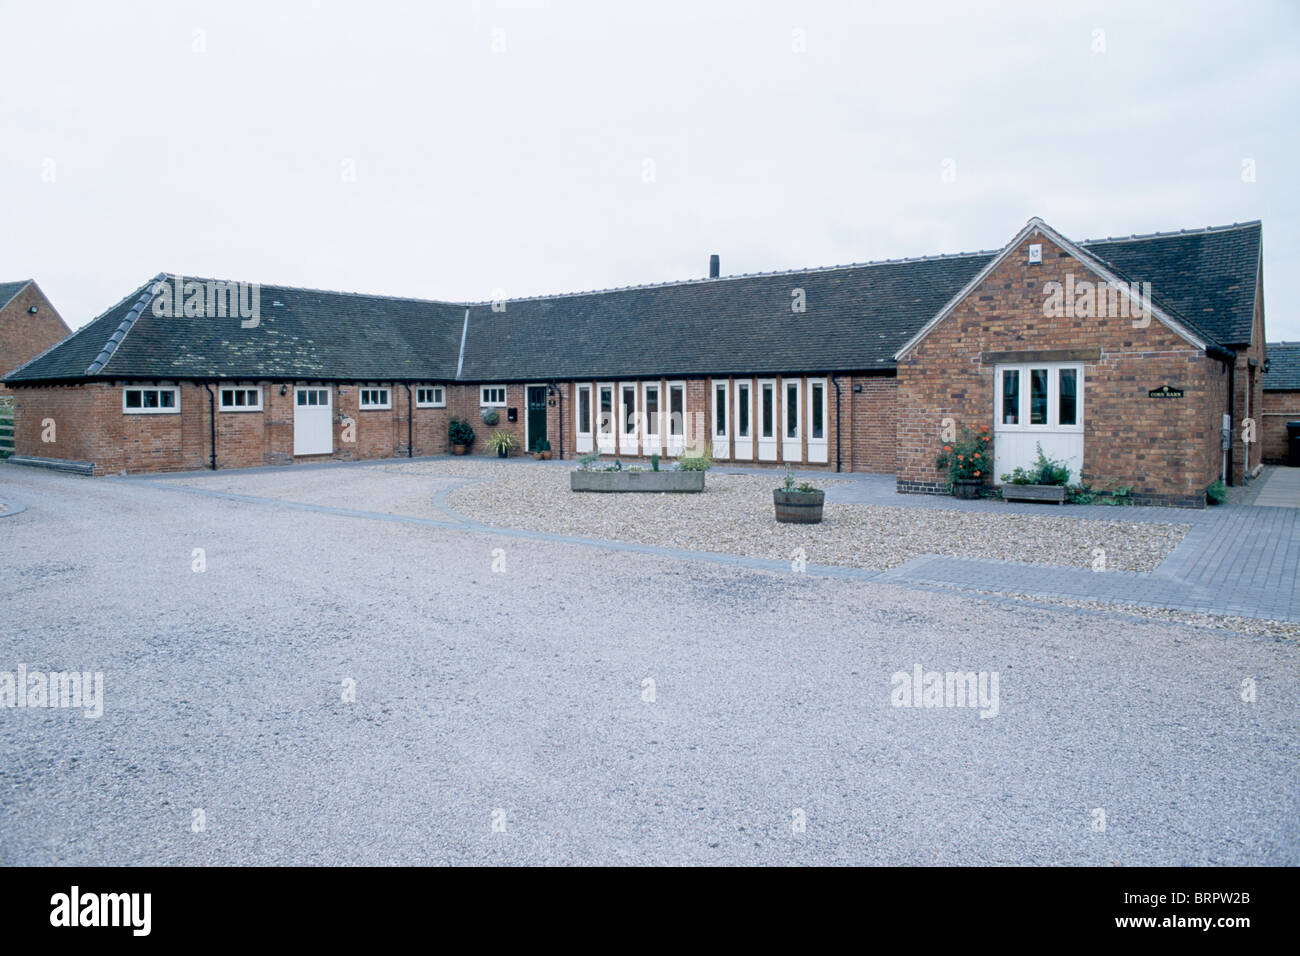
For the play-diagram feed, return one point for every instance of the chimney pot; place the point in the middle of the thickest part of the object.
(713, 267)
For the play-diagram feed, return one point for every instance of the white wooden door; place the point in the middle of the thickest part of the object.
(818, 449)
(767, 412)
(1039, 403)
(652, 416)
(791, 419)
(313, 422)
(721, 419)
(628, 420)
(744, 421)
(606, 419)
(675, 430)
(583, 420)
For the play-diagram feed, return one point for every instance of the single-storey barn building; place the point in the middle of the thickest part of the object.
(1129, 359)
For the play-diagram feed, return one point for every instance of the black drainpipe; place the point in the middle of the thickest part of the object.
(559, 395)
(837, 421)
(212, 421)
(409, 451)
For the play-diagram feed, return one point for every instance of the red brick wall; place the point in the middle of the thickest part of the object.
(91, 426)
(1278, 409)
(1159, 448)
(874, 434)
(23, 336)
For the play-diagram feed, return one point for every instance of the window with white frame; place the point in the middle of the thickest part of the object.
(241, 399)
(151, 400)
(1046, 396)
(584, 410)
(430, 396)
(375, 399)
(492, 396)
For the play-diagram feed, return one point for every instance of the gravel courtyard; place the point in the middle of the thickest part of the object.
(732, 516)
(526, 701)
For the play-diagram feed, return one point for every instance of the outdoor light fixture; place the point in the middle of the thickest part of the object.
(284, 389)
(32, 310)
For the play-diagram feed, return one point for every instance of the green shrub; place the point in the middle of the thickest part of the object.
(1045, 471)
(654, 462)
(701, 462)
(586, 461)
(459, 432)
(967, 458)
(1217, 492)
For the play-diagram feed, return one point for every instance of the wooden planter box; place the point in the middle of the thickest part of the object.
(967, 488)
(1053, 493)
(799, 507)
(685, 482)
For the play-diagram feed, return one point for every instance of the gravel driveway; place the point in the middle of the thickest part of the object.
(600, 706)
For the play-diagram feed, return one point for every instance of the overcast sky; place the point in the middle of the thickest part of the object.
(451, 150)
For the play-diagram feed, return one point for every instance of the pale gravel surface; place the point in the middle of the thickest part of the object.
(522, 691)
(734, 515)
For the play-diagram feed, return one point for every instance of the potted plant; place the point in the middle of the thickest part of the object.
(542, 449)
(490, 417)
(798, 503)
(967, 461)
(1045, 481)
(501, 442)
(461, 436)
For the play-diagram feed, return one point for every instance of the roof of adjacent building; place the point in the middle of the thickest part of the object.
(10, 289)
(1283, 374)
(855, 318)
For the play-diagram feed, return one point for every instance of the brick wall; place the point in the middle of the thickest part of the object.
(1278, 408)
(1160, 448)
(874, 428)
(23, 336)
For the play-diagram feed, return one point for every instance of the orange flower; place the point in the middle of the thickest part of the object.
(984, 428)
(977, 474)
(947, 447)
(977, 454)
(961, 457)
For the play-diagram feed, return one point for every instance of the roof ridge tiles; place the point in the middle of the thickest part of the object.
(300, 288)
(123, 327)
(702, 280)
(1181, 232)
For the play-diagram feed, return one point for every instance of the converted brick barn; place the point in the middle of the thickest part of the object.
(1281, 399)
(1122, 357)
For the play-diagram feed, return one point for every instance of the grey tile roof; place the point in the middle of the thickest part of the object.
(301, 334)
(10, 289)
(1283, 373)
(856, 318)
(1207, 276)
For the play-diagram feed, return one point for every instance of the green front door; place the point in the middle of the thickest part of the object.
(536, 415)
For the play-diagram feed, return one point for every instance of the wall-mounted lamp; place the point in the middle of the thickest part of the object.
(284, 390)
(32, 310)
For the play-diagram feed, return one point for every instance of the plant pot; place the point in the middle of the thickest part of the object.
(799, 507)
(502, 452)
(684, 482)
(1053, 493)
(546, 456)
(459, 449)
(967, 487)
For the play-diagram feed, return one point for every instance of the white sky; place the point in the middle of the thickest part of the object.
(522, 170)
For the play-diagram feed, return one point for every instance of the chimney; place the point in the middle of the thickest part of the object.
(713, 267)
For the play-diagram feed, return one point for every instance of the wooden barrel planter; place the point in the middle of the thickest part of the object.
(799, 507)
(967, 487)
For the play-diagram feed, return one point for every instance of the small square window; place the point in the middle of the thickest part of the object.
(375, 398)
(141, 400)
(241, 399)
(430, 396)
(492, 396)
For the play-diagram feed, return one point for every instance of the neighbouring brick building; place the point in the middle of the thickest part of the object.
(1120, 356)
(1281, 399)
(29, 325)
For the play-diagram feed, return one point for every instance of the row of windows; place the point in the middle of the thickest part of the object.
(166, 400)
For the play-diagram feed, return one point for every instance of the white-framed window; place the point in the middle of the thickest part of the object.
(239, 399)
(1039, 396)
(492, 396)
(375, 399)
(721, 406)
(151, 400)
(430, 396)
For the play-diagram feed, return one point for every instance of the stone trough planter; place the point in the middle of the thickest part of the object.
(634, 481)
(1052, 493)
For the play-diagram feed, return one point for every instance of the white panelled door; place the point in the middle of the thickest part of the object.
(744, 420)
(818, 450)
(583, 420)
(767, 420)
(791, 420)
(721, 420)
(606, 420)
(313, 422)
(1039, 403)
